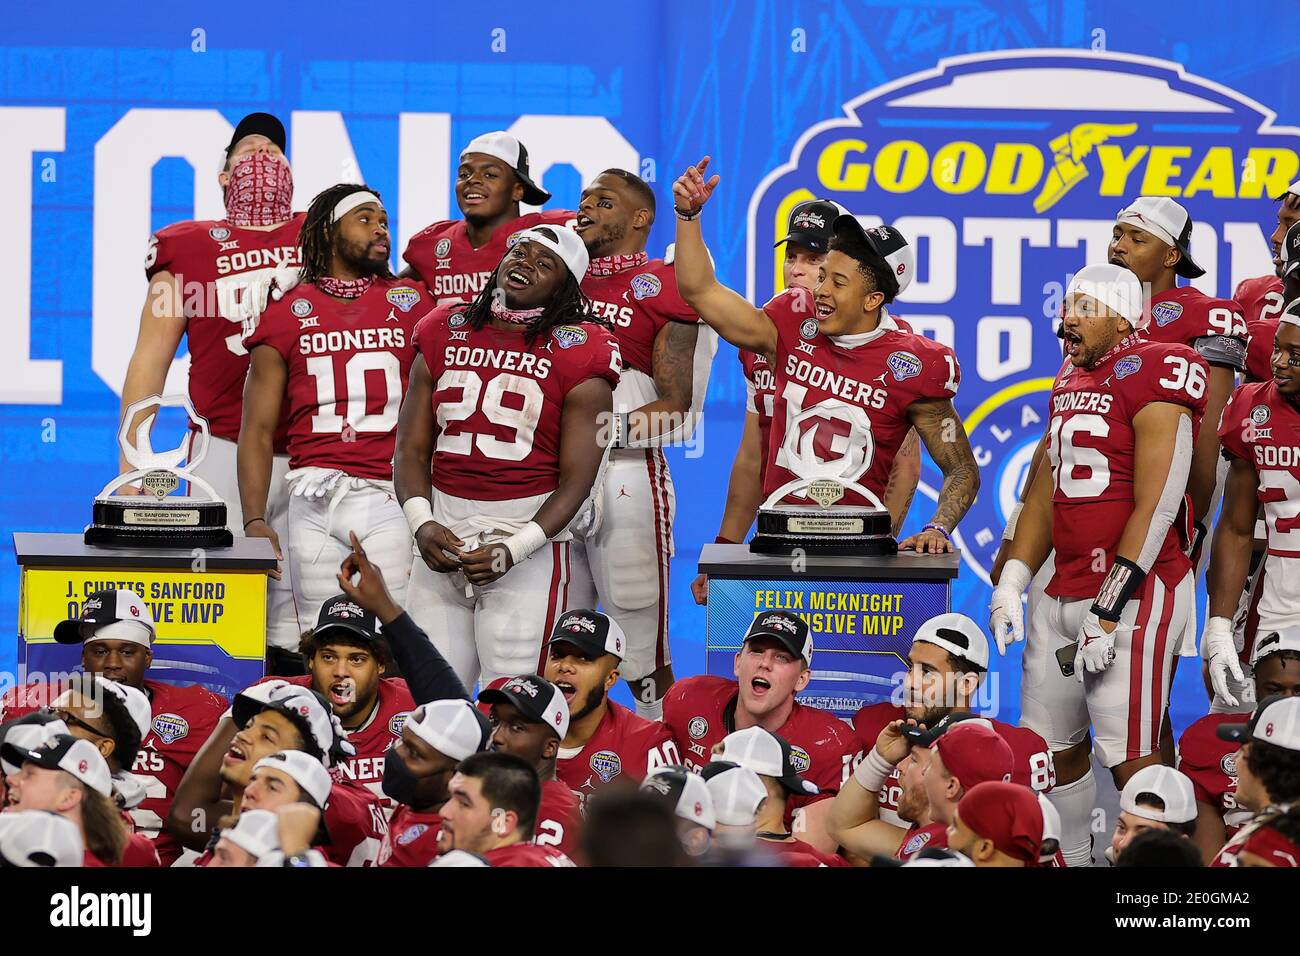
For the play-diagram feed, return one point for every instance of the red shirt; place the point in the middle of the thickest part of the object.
(456, 272)
(638, 303)
(760, 387)
(348, 361)
(1211, 764)
(918, 838)
(701, 710)
(412, 838)
(559, 817)
(843, 406)
(182, 720)
(624, 746)
(1261, 302)
(1032, 768)
(373, 738)
(356, 824)
(140, 851)
(526, 854)
(498, 401)
(1090, 446)
(1263, 428)
(799, 854)
(214, 262)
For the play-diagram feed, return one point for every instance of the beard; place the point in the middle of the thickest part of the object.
(913, 805)
(609, 236)
(595, 697)
(356, 257)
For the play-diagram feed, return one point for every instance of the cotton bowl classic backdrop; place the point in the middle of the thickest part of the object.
(1002, 138)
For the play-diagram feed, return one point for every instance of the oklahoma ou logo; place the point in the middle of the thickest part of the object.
(831, 439)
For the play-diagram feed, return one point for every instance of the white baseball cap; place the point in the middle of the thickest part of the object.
(1173, 787)
(1276, 721)
(562, 241)
(509, 150)
(455, 727)
(113, 614)
(685, 792)
(327, 740)
(1114, 287)
(1169, 222)
(37, 838)
(958, 635)
(137, 704)
(305, 770)
(80, 758)
(736, 791)
(257, 832)
(1287, 639)
(768, 755)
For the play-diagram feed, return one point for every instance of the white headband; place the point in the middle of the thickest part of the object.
(351, 201)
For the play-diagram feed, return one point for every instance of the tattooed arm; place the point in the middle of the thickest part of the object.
(938, 426)
(674, 370)
(903, 476)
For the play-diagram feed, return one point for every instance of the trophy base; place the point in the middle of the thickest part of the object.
(850, 532)
(140, 522)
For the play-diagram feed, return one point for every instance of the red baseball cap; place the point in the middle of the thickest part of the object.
(1006, 813)
(973, 752)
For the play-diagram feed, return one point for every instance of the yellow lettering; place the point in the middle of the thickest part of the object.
(958, 167)
(1216, 173)
(1267, 172)
(901, 166)
(1161, 168)
(835, 173)
(1014, 169)
(1115, 168)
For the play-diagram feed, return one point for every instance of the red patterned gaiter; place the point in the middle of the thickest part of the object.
(260, 192)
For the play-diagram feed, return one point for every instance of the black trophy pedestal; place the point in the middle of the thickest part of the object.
(847, 531)
(146, 522)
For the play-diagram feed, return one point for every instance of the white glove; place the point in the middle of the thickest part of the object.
(1096, 648)
(1221, 651)
(1006, 609)
(312, 483)
(283, 280)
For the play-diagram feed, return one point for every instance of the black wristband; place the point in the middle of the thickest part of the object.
(688, 216)
(251, 520)
(1124, 580)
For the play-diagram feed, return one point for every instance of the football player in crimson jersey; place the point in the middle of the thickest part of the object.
(605, 741)
(456, 257)
(665, 376)
(809, 236)
(1262, 298)
(336, 355)
(946, 664)
(529, 719)
(1212, 762)
(1260, 433)
(492, 812)
(1123, 418)
(850, 383)
(771, 667)
(200, 273)
(347, 657)
(116, 631)
(506, 407)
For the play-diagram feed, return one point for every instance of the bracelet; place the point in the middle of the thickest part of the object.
(939, 528)
(687, 217)
(418, 511)
(873, 771)
(251, 520)
(525, 541)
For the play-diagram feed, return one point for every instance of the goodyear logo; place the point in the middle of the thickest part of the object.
(170, 727)
(403, 297)
(904, 365)
(396, 723)
(606, 765)
(799, 759)
(567, 336)
(646, 286)
(1166, 312)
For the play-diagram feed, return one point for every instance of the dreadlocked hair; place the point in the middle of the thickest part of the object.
(316, 240)
(569, 306)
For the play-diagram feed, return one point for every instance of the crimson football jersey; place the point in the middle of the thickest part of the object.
(1259, 350)
(498, 401)
(918, 838)
(559, 817)
(638, 303)
(760, 388)
(373, 738)
(1033, 766)
(1090, 446)
(796, 853)
(139, 849)
(526, 854)
(214, 262)
(1213, 328)
(456, 272)
(1263, 428)
(182, 719)
(356, 825)
(349, 361)
(411, 840)
(843, 410)
(701, 710)
(624, 746)
(1211, 764)
(1260, 298)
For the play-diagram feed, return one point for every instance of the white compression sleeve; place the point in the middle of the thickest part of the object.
(1171, 496)
(1075, 803)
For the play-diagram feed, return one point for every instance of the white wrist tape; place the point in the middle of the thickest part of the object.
(525, 541)
(873, 771)
(1009, 532)
(418, 511)
(1016, 576)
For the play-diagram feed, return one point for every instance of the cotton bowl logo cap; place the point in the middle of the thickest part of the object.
(1276, 721)
(887, 243)
(1115, 287)
(736, 791)
(305, 770)
(1172, 787)
(562, 241)
(790, 630)
(811, 223)
(591, 632)
(1167, 221)
(454, 728)
(341, 613)
(113, 614)
(536, 698)
(36, 838)
(685, 792)
(510, 151)
(80, 758)
(27, 733)
(768, 755)
(958, 635)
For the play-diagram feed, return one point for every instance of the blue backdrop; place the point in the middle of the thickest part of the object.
(1005, 165)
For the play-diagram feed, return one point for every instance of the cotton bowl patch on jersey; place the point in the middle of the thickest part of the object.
(1166, 312)
(606, 765)
(396, 724)
(442, 248)
(415, 832)
(646, 286)
(697, 727)
(915, 843)
(219, 233)
(1128, 366)
(904, 365)
(301, 308)
(170, 727)
(567, 336)
(403, 297)
(799, 759)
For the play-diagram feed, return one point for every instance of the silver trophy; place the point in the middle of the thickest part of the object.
(159, 519)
